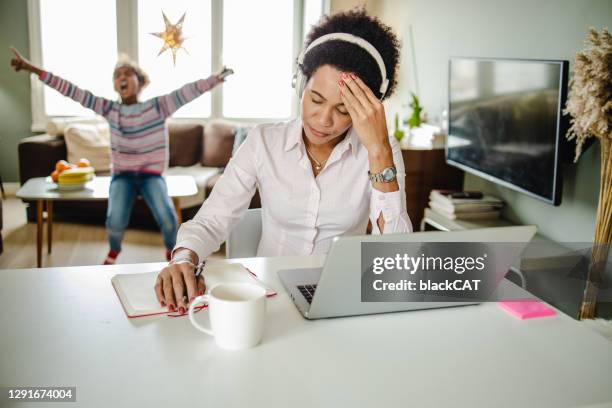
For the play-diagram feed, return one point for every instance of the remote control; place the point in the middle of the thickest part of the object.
(225, 72)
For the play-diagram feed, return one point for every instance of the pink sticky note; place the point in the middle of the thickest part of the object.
(527, 308)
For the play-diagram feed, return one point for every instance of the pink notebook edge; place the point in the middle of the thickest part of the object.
(527, 308)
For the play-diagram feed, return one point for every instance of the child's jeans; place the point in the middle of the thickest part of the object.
(124, 188)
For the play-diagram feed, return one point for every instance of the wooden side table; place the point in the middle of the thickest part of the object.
(426, 169)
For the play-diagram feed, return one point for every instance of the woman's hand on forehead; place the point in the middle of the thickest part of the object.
(367, 112)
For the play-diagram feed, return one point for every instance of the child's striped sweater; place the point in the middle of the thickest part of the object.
(139, 141)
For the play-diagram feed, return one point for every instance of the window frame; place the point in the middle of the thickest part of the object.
(127, 42)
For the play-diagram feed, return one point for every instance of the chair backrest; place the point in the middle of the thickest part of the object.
(245, 236)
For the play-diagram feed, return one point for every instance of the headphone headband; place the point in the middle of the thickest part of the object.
(354, 40)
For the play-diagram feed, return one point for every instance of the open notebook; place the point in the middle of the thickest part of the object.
(137, 295)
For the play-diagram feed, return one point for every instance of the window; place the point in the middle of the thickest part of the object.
(192, 63)
(262, 60)
(67, 49)
(79, 40)
(313, 10)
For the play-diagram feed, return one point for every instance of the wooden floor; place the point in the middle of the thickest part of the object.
(73, 244)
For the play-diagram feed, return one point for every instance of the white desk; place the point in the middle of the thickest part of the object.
(75, 333)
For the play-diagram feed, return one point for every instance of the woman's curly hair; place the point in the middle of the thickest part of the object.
(349, 57)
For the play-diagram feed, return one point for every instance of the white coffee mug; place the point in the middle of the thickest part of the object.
(236, 312)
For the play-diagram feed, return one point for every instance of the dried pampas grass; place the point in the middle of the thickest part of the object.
(590, 96)
(590, 105)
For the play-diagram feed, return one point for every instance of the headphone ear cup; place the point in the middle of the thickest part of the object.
(301, 85)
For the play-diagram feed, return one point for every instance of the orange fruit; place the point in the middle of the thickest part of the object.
(61, 165)
(55, 176)
(83, 163)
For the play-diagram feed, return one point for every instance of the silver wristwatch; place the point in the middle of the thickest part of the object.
(387, 175)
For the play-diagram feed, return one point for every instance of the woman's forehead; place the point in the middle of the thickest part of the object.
(325, 82)
(327, 72)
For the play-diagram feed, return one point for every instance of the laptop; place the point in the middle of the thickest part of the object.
(335, 289)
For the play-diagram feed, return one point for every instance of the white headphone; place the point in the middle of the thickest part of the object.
(299, 79)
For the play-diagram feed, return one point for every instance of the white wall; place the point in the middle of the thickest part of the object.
(340, 5)
(545, 29)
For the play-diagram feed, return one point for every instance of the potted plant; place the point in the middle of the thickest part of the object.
(414, 120)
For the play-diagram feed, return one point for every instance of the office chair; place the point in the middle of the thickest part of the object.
(245, 236)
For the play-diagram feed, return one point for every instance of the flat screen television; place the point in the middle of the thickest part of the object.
(506, 122)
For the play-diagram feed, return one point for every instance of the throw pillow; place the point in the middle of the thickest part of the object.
(89, 141)
(185, 143)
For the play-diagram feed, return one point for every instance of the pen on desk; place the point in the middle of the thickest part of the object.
(199, 269)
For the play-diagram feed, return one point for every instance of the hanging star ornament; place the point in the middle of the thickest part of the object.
(172, 36)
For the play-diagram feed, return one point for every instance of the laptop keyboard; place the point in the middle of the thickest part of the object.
(308, 291)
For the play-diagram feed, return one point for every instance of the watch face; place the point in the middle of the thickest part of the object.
(389, 174)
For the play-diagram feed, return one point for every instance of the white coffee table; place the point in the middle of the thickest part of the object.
(43, 191)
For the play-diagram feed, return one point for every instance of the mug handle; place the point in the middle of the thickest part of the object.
(205, 299)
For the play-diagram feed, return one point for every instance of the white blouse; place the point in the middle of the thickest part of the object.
(301, 214)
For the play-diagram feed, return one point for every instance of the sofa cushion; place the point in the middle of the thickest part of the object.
(90, 141)
(57, 126)
(185, 141)
(218, 143)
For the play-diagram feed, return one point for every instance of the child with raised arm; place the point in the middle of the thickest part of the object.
(139, 143)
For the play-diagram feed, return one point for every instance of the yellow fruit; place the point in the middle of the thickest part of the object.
(76, 175)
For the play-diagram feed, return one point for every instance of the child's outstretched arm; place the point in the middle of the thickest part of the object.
(98, 104)
(20, 63)
(170, 103)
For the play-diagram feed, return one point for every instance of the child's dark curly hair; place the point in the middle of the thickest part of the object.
(125, 61)
(349, 57)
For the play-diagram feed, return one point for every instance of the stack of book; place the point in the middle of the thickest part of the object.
(458, 205)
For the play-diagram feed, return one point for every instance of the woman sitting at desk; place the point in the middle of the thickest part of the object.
(321, 175)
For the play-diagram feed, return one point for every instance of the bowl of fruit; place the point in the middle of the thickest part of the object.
(72, 176)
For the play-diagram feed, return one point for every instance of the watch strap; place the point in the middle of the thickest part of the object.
(377, 177)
